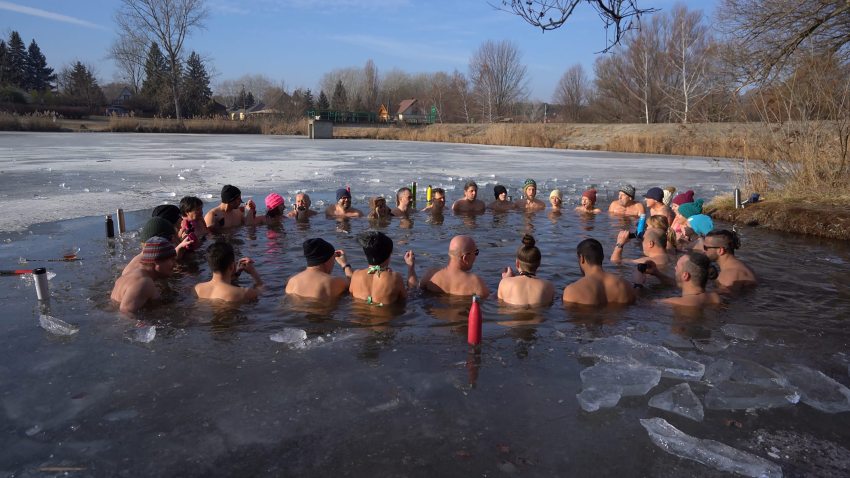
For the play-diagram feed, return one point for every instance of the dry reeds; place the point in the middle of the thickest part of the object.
(216, 125)
(29, 122)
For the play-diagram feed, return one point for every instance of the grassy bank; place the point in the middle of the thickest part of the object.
(820, 217)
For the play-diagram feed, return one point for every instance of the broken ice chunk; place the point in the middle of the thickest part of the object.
(679, 400)
(816, 389)
(627, 350)
(708, 452)
(56, 326)
(632, 380)
(592, 399)
(718, 371)
(740, 332)
(144, 335)
(711, 346)
(741, 396)
(290, 336)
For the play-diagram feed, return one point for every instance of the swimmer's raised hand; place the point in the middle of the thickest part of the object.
(188, 241)
(245, 264)
(409, 258)
(339, 254)
(623, 237)
(508, 272)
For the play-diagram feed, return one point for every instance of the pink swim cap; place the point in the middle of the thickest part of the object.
(273, 200)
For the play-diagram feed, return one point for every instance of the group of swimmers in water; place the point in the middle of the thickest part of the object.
(679, 246)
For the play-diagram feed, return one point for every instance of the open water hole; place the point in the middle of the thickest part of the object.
(392, 391)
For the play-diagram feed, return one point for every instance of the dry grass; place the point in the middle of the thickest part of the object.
(167, 125)
(28, 122)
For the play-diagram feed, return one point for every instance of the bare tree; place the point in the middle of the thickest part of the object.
(460, 85)
(689, 50)
(166, 22)
(498, 77)
(767, 33)
(129, 56)
(621, 15)
(370, 85)
(572, 92)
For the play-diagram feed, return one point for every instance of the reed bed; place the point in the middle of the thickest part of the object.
(28, 122)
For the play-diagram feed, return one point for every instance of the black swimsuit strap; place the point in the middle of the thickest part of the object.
(527, 274)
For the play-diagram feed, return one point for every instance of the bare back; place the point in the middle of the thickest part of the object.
(314, 284)
(386, 288)
(599, 289)
(455, 282)
(527, 291)
(133, 290)
(222, 291)
(735, 276)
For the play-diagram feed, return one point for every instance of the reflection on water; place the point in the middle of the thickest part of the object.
(222, 396)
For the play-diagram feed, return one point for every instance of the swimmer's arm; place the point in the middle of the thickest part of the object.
(209, 218)
(456, 206)
(622, 240)
(652, 269)
(410, 260)
(402, 290)
(569, 294)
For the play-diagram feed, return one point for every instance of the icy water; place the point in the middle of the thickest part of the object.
(394, 392)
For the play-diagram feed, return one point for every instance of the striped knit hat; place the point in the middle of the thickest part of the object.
(157, 249)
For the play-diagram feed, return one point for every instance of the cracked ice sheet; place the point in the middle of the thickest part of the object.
(708, 452)
(124, 169)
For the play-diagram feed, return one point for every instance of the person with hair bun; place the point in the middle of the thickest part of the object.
(378, 285)
(525, 288)
(719, 247)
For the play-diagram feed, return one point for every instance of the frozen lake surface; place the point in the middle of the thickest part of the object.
(50, 176)
(277, 388)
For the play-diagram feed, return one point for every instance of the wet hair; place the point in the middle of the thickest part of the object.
(658, 221)
(591, 250)
(657, 236)
(470, 184)
(376, 245)
(189, 204)
(438, 190)
(528, 254)
(730, 239)
(220, 256)
(398, 194)
(699, 267)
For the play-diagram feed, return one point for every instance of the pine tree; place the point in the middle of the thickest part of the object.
(323, 103)
(3, 67)
(249, 100)
(339, 101)
(40, 76)
(309, 102)
(196, 87)
(16, 61)
(155, 87)
(81, 86)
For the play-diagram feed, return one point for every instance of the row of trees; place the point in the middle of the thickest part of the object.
(24, 68)
(156, 94)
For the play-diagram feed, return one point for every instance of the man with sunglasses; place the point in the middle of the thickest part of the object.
(229, 213)
(456, 278)
(719, 247)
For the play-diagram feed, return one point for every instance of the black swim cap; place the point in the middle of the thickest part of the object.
(169, 212)
(376, 245)
(317, 251)
(499, 189)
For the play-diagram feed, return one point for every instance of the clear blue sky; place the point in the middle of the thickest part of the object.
(297, 41)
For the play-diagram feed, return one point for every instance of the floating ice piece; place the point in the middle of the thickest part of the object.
(632, 380)
(592, 399)
(718, 371)
(290, 336)
(816, 389)
(144, 335)
(740, 332)
(708, 452)
(56, 326)
(681, 401)
(625, 349)
(747, 371)
(741, 396)
(713, 345)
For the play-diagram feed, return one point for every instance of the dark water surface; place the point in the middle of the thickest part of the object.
(391, 392)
